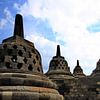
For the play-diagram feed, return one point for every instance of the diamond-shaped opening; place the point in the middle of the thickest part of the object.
(34, 62)
(37, 57)
(56, 63)
(15, 46)
(61, 65)
(2, 59)
(30, 68)
(8, 65)
(20, 53)
(38, 69)
(30, 55)
(14, 58)
(33, 50)
(24, 48)
(19, 65)
(25, 60)
(5, 46)
(0, 51)
(9, 51)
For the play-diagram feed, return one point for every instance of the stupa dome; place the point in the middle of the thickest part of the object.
(78, 71)
(96, 72)
(58, 66)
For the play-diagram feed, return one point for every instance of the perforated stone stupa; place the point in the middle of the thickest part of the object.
(58, 67)
(21, 73)
(78, 71)
(96, 72)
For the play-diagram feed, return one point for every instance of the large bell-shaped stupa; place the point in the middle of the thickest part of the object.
(21, 73)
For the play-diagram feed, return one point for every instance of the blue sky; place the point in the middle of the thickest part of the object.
(94, 28)
(7, 13)
(75, 25)
(31, 23)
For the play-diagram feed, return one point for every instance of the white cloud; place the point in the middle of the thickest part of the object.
(8, 15)
(23, 9)
(16, 6)
(8, 18)
(69, 18)
(2, 23)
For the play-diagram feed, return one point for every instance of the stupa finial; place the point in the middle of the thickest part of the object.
(77, 62)
(58, 53)
(18, 28)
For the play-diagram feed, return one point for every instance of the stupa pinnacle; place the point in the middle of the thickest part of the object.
(58, 53)
(18, 29)
(77, 62)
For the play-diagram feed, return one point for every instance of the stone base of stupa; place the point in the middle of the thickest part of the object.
(19, 86)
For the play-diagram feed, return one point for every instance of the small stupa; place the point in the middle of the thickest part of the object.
(96, 72)
(78, 71)
(58, 67)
